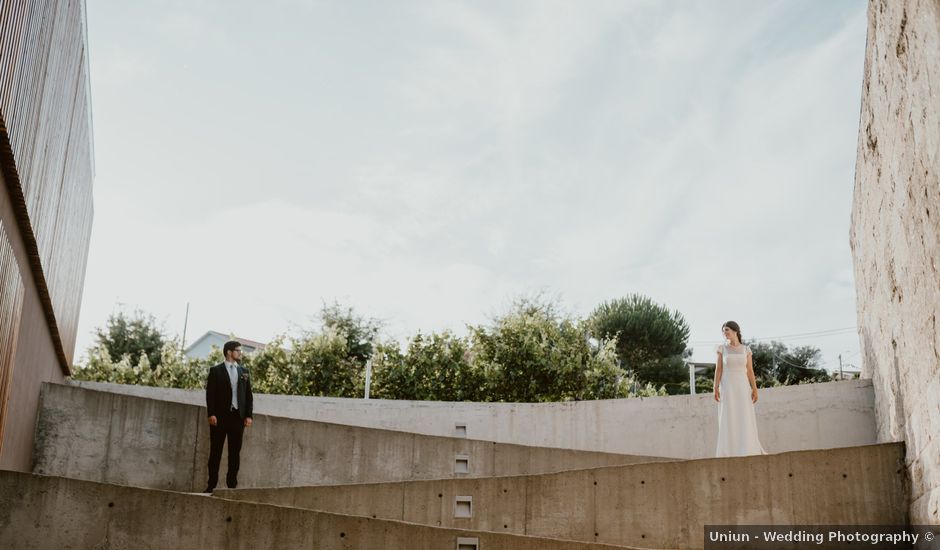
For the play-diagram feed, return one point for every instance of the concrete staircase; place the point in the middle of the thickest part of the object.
(115, 438)
(117, 463)
(62, 513)
(656, 504)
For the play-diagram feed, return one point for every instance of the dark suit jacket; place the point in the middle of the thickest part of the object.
(219, 392)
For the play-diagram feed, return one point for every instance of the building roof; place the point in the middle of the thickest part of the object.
(243, 341)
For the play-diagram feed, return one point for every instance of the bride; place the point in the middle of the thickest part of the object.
(736, 391)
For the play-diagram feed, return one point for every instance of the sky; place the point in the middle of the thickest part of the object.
(426, 162)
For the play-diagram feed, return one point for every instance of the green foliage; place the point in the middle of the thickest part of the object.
(703, 384)
(629, 386)
(329, 362)
(650, 339)
(762, 359)
(324, 364)
(533, 353)
(133, 337)
(776, 364)
(435, 367)
(272, 370)
(173, 370)
(672, 373)
(313, 363)
(359, 332)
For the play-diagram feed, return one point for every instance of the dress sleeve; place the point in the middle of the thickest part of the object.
(719, 349)
(747, 349)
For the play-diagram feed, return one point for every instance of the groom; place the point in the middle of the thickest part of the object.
(228, 400)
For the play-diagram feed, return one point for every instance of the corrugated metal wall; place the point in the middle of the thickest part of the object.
(11, 306)
(47, 147)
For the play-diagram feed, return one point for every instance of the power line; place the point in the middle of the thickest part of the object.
(797, 366)
(834, 332)
(821, 333)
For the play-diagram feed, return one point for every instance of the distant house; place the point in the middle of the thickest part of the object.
(202, 346)
(847, 374)
(699, 369)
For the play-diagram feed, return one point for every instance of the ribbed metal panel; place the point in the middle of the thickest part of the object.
(45, 110)
(11, 306)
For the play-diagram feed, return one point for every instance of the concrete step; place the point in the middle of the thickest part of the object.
(109, 437)
(41, 512)
(659, 505)
(790, 418)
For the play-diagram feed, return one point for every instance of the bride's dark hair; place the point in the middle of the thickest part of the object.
(736, 328)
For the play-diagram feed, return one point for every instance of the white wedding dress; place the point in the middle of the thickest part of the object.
(737, 421)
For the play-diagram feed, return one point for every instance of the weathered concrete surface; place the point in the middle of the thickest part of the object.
(40, 512)
(659, 505)
(812, 416)
(895, 235)
(114, 438)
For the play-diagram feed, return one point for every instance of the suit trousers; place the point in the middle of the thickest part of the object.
(229, 426)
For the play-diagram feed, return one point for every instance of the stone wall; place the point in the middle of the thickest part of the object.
(895, 235)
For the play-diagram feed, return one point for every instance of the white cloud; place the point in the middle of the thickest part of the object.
(427, 168)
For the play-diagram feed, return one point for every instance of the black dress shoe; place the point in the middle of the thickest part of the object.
(208, 490)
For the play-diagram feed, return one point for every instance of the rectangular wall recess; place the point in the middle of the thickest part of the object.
(462, 464)
(463, 507)
(460, 430)
(468, 543)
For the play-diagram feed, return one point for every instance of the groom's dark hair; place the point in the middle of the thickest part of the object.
(231, 345)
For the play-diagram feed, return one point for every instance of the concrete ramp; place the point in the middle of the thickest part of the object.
(659, 505)
(115, 438)
(789, 418)
(55, 513)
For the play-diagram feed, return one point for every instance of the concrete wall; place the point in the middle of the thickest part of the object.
(52, 513)
(811, 416)
(107, 437)
(654, 505)
(895, 235)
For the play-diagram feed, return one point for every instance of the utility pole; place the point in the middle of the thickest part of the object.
(368, 376)
(185, 324)
(841, 377)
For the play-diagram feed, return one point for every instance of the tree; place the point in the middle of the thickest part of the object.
(134, 337)
(322, 365)
(358, 331)
(436, 367)
(800, 365)
(326, 361)
(173, 371)
(763, 360)
(272, 370)
(533, 353)
(672, 373)
(776, 364)
(650, 339)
